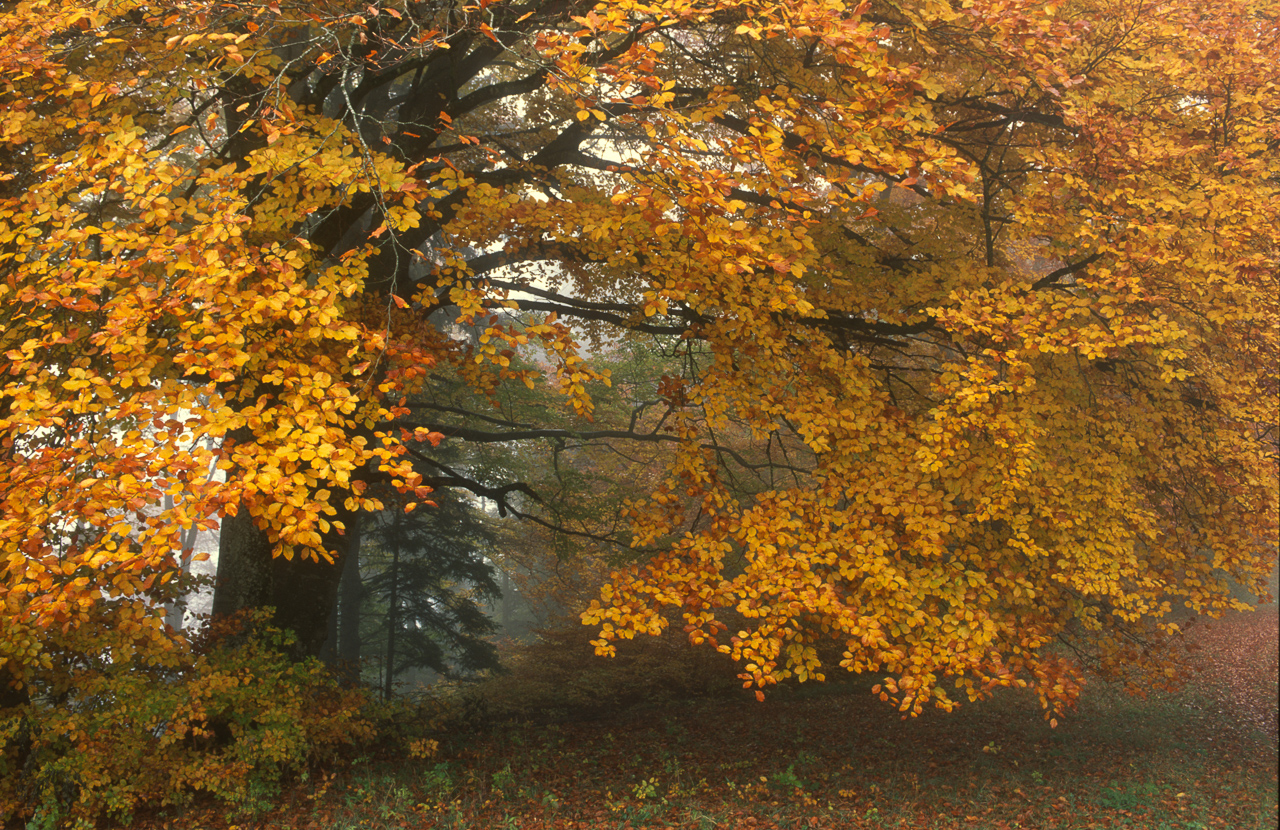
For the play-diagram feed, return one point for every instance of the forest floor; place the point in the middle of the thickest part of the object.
(833, 756)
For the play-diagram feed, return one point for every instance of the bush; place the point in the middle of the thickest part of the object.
(233, 716)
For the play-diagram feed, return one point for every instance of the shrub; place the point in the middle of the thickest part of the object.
(233, 715)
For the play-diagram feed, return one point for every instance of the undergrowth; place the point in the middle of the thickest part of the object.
(813, 756)
(235, 718)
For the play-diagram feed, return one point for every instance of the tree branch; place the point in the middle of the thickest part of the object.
(1050, 280)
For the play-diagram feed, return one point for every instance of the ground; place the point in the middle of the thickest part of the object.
(832, 756)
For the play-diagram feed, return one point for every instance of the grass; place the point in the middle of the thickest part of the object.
(832, 756)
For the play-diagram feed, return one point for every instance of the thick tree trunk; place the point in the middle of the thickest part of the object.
(301, 591)
(244, 566)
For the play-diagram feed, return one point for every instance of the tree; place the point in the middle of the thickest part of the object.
(426, 579)
(973, 307)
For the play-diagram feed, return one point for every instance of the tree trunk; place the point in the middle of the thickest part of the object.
(244, 566)
(329, 652)
(301, 591)
(9, 696)
(177, 610)
(349, 601)
(506, 603)
(392, 617)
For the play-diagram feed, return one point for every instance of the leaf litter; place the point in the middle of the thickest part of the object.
(832, 756)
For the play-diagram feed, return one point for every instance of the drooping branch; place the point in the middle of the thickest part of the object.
(1050, 280)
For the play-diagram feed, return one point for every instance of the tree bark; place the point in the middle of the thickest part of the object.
(329, 652)
(177, 611)
(302, 591)
(245, 574)
(392, 617)
(349, 601)
(506, 603)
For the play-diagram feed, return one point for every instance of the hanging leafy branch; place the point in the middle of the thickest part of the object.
(993, 283)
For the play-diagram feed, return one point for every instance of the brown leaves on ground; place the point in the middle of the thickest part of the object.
(1240, 660)
(832, 756)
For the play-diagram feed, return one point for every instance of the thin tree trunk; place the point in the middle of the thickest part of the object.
(506, 603)
(329, 651)
(349, 601)
(392, 620)
(177, 611)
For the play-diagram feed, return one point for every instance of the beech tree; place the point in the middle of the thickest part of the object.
(970, 308)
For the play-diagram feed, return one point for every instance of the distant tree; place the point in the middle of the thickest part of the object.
(425, 584)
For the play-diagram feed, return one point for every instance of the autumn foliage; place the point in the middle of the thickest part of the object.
(969, 308)
(233, 718)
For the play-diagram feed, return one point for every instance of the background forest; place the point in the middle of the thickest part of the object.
(584, 359)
